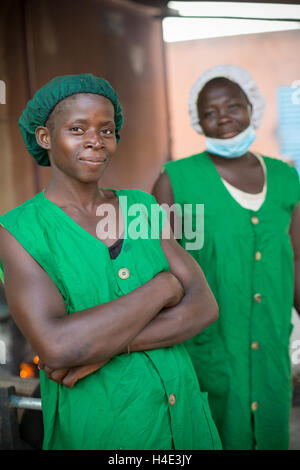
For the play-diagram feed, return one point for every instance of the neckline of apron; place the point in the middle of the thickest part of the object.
(81, 230)
(230, 197)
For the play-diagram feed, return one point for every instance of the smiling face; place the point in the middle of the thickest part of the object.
(223, 108)
(80, 136)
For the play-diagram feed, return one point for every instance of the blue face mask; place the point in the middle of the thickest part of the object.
(234, 147)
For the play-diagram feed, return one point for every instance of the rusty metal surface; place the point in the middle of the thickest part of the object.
(16, 177)
(125, 47)
(40, 40)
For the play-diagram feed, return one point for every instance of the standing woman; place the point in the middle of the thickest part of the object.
(104, 314)
(251, 249)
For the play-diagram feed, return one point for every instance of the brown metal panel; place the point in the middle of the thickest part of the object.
(122, 45)
(16, 169)
(283, 2)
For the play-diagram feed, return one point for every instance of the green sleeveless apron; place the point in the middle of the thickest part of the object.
(242, 360)
(142, 400)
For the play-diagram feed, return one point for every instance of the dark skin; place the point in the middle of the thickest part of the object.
(224, 111)
(170, 308)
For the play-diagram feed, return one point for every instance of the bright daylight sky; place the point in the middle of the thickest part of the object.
(183, 29)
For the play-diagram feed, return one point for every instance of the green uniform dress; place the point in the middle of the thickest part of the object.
(242, 360)
(142, 400)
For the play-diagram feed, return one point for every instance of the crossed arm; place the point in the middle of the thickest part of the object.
(167, 310)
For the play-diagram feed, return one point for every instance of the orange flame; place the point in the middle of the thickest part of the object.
(26, 370)
(36, 360)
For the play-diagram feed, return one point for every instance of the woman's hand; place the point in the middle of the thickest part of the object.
(69, 377)
(172, 286)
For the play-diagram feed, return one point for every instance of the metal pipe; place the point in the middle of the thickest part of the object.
(27, 403)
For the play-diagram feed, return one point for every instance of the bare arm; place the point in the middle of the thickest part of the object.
(85, 337)
(163, 192)
(195, 312)
(295, 238)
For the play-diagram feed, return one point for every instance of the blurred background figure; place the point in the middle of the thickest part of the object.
(250, 205)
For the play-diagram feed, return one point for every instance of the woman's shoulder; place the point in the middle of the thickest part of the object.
(285, 179)
(137, 195)
(281, 167)
(276, 162)
(188, 161)
(22, 212)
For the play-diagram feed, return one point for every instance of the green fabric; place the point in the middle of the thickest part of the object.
(125, 405)
(233, 374)
(46, 98)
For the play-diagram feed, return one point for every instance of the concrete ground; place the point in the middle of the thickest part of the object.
(295, 428)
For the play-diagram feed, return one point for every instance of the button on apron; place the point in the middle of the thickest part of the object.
(254, 406)
(172, 399)
(257, 255)
(257, 298)
(124, 273)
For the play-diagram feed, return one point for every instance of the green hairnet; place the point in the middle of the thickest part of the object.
(46, 98)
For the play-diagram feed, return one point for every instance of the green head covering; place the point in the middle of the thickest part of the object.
(46, 98)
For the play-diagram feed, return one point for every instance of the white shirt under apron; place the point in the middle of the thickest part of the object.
(248, 200)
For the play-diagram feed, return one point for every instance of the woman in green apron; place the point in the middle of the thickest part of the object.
(251, 236)
(114, 304)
